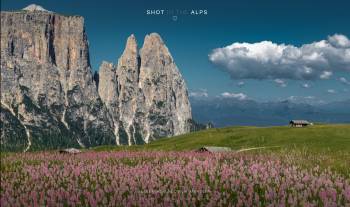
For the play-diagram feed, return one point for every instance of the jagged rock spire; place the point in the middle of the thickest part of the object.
(163, 87)
(128, 63)
(107, 88)
(152, 95)
(131, 46)
(128, 77)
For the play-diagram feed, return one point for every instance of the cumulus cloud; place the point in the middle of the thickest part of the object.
(344, 80)
(241, 84)
(280, 82)
(331, 91)
(326, 74)
(339, 40)
(201, 93)
(239, 96)
(268, 60)
(305, 85)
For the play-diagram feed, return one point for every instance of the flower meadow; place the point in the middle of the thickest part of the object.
(165, 179)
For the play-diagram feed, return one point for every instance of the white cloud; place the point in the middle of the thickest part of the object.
(344, 80)
(331, 91)
(239, 96)
(241, 84)
(280, 83)
(201, 93)
(305, 85)
(305, 99)
(293, 98)
(268, 60)
(326, 75)
(339, 40)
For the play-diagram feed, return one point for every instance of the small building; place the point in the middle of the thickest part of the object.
(213, 149)
(70, 151)
(299, 123)
(209, 125)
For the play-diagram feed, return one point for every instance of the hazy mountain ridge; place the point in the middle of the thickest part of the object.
(229, 111)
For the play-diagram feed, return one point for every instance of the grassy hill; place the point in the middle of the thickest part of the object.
(326, 146)
(315, 138)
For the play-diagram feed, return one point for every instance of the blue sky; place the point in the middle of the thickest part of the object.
(192, 38)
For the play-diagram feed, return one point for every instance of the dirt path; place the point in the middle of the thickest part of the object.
(255, 148)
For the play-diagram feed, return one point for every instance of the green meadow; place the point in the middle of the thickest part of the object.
(323, 145)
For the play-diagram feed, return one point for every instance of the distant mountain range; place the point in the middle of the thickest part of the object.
(230, 111)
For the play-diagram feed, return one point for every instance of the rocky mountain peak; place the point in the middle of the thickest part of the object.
(154, 46)
(131, 45)
(153, 38)
(154, 55)
(34, 7)
(47, 86)
(129, 59)
(152, 95)
(106, 66)
(154, 42)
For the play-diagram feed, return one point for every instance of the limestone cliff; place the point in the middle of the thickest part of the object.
(46, 81)
(152, 96)
(49, 98)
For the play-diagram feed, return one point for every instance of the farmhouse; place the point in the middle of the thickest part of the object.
(299, 123)
(214, 149)
(70, 151)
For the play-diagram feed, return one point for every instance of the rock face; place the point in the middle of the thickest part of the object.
(49, 98)
(146, 93)
(46, 83)
(164, 90)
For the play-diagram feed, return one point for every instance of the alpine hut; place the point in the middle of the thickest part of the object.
(213, 149)
(299, 123)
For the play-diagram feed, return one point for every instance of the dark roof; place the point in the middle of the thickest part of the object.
(299, 122)
(70, 151)
(214, 149)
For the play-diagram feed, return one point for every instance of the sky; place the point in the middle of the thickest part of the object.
(267, 50)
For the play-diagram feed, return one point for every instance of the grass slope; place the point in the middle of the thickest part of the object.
(326, 146)
(315, 138)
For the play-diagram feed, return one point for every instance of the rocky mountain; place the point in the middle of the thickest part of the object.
(145, 93)
(49, 98)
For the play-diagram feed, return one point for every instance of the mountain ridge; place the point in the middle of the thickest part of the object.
(224, 112)
(49, 91)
